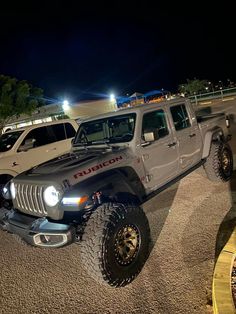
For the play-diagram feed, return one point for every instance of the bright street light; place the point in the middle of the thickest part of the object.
(112, 97)
(65, 105)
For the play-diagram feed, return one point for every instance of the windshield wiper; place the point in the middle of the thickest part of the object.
(97, 145)
(105, 144)
(104, 141)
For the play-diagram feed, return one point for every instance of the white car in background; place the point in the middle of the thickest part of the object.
(24, 148)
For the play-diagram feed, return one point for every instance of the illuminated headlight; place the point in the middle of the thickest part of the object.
(74, 200)
(13, 190)
(51, 196)
(5, 190)
(6, 193)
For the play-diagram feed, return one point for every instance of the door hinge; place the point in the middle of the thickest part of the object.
(149, 177)
(145, 157)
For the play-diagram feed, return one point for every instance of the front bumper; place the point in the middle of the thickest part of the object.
(36, 231)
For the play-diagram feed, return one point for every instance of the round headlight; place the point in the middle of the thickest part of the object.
(13, 190)
(51, 196)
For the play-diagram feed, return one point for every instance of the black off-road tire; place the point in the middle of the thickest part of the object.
(99, 244)
(215, 169)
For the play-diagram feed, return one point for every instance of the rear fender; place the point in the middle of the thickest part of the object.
(216, 134)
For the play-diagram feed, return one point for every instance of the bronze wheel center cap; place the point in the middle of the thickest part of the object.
(127, 244)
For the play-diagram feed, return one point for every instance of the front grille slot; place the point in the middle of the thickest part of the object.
(29, 198)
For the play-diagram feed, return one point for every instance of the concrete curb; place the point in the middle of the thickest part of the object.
(223, 302)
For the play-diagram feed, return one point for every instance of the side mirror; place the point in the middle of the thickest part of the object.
(29, 143)
(149, 137)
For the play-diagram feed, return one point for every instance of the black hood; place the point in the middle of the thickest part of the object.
(63, 162)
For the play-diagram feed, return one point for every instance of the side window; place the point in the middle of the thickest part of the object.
(155, 122)
(180, 117)
(59, 131)
(70, 131)
(40, 137)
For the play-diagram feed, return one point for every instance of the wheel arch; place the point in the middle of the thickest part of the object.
(215, 134)
(117, 184)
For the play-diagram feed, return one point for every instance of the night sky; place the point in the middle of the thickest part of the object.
(84, 51)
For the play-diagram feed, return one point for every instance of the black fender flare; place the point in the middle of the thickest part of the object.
(215, 134)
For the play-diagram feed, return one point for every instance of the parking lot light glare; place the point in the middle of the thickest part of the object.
(65, 105)
(112, 97)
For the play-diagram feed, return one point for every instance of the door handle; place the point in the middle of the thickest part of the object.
(49, 150)
(171, 144)
(192, 135)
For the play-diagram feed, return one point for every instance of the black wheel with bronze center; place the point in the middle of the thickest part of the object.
(115, 243)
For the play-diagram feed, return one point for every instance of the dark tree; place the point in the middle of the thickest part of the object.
(193, 87)
(16, 98)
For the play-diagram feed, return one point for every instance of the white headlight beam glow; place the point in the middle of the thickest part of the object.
(51, 196)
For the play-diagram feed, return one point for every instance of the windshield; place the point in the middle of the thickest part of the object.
(116, 129)
(7, 140)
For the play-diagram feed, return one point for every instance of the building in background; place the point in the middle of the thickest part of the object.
(77, 111)
(89, 108)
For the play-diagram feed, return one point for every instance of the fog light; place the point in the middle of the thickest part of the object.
(53, 240)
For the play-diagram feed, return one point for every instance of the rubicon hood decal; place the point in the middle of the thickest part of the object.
(97, 167)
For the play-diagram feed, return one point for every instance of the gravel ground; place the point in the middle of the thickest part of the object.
(190, 223)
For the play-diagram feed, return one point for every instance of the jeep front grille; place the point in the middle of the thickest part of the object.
(29, 198)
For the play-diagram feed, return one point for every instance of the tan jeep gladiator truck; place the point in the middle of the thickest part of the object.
(94, 194)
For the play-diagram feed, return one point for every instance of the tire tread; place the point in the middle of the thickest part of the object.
(92, 239)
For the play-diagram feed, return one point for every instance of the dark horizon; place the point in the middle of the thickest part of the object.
(89, 52)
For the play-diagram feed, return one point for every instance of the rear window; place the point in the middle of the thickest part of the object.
(41, 136)
(180, 117)
(70, 131)
(59, 131)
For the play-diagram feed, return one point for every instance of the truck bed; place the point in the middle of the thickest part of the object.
(207, 122)
(208, 116)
